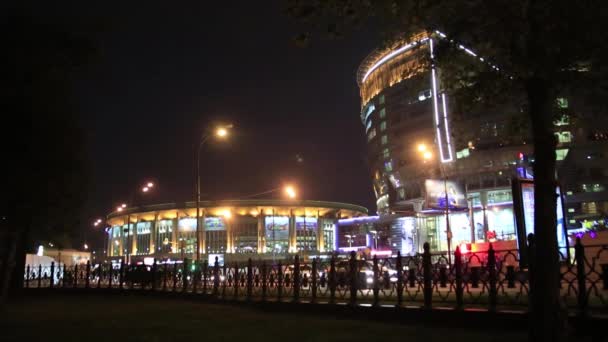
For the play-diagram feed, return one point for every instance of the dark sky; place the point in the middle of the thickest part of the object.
(167, 70)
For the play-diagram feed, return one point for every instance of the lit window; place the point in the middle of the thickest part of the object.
(462, 153)
(383, 126)
(382, 113)
(384, 140)
(560, 154)
(572, 221)
(385, 153)
(562, 121)
(570, 210)
(381, 99)
(388, 166)
(563, 137)
(562, 102)
(424, 95)
(371, 134)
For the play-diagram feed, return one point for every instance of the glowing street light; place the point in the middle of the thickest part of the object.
(227, 214)
(290, 191)
(427, 155)
(145, 189)
(220, 132)
(150, 185)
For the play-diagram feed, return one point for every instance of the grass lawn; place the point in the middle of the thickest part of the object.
(138, 318)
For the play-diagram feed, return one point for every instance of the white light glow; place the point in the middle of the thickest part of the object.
(447, 128)
(391, 56)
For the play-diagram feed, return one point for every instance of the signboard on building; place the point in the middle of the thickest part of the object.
(523, 204)
(436, 194)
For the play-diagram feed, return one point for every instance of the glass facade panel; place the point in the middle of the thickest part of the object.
(306, 233)
(215, 235)
(143, 238)
(246, 236)
(186, 238)
(163, 236)
(276, 234)
(329, 231)
(382, 113)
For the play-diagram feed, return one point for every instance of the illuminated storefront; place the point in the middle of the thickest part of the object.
(227, 228)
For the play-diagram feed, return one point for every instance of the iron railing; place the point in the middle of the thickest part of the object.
(492, 279)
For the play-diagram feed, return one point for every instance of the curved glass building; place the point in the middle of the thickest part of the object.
(229, 228)
(424, 156)
(415, 143)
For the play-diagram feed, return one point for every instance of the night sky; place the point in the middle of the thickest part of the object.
(167, 71)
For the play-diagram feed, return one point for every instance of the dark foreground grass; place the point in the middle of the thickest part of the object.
(138, 318)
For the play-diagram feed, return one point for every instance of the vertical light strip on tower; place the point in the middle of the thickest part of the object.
(436, 109)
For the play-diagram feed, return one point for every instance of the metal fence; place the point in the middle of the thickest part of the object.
(493, 279)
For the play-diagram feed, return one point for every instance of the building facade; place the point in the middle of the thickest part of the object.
(419, 150)
(232, 229)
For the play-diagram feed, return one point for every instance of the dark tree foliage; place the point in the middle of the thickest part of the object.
(42, 143)
(543, 49)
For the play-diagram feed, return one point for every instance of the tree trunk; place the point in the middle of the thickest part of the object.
(546, 320)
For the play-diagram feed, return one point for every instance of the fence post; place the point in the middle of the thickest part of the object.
(236, 278)
(399, 267)
(75, 283)
(296, 278)
(531, 266)
(39, 275)
(314, 281)
(130, 272)
(99, 275)
(225, 281)
(165, 271)
(249, 278)
(185, 276)
(492, 278)
(579, 255)
(52, 279)
(216, 277)
(280, 282)
(174, 276)
(353, 278)
(154, 270)
(332, 280)
(27, 276)
(205, 272)
(264, 281)
(111, 275)
(87, 274)
(196, 276)
(121, 274)
(376, 282)
(458, 276)
(426, 275)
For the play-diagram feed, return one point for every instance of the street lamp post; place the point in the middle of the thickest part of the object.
(220, 132)
(144, 189)
(427, 155)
